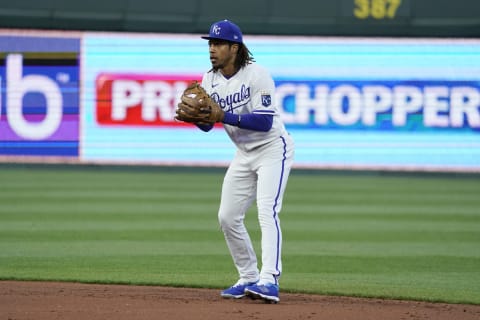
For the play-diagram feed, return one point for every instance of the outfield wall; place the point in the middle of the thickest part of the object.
(349, 103)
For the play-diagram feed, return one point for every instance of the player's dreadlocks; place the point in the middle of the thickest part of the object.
(244, 56)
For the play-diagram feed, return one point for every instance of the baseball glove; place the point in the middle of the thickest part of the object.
(197, 106)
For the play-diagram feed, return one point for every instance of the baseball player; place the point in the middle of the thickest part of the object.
(244, 101)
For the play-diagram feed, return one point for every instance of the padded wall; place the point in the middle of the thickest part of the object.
(458, 18)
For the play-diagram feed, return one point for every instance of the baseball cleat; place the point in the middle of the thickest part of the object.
(265, 291)
(236, 291)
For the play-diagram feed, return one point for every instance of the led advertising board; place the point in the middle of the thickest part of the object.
(39, 96)
(394, 104)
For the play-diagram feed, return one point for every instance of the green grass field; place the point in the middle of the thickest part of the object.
(371, 235)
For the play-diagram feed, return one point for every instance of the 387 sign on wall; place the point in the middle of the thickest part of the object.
(377, 9)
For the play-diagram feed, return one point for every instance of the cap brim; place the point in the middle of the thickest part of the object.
(213, 38)
(221, 39)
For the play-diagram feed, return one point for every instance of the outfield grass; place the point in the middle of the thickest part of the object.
(366, 235)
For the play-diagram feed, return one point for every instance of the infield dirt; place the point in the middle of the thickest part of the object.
(62, 300)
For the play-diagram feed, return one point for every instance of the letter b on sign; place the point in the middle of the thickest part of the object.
(17, 87)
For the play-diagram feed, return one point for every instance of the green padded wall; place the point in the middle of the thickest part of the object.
(459, 18)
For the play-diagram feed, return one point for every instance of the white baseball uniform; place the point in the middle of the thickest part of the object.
(259, 170)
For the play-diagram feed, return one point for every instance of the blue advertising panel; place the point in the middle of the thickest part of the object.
(39, 96)
(393, 104)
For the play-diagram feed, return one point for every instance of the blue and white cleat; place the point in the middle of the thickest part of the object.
(266, 291)
(236, 291)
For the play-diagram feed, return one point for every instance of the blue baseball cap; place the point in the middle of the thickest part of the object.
(225, 30)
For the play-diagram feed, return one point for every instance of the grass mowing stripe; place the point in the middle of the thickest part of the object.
(384, 249)
(105, 208)
(173, 269)
(117, 247)
(185, 235)
(386, 264)
(418, 210)
(430, 278)
(425, 286)
(199, 231)
(383, 236)
(373, 225)
(363, 235)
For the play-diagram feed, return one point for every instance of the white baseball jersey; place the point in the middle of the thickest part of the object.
(250, 90)
(259, 170)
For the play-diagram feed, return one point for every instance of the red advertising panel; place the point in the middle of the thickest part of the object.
(139, 99)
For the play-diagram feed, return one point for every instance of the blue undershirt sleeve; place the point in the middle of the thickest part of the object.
(204, 127)
(250, 121)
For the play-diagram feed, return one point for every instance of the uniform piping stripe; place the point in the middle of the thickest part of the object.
(275, 213)
(264, 111)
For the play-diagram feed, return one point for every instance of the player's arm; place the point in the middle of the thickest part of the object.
(250, 121)
(261, 118)
(204, 127)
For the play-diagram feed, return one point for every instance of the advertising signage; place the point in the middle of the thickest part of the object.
(349, 103)
(39, 96)
(393, 104)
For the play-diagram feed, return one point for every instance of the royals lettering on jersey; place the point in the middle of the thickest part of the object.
(234, 100)
(248, 91)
